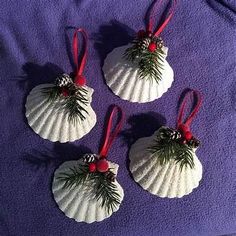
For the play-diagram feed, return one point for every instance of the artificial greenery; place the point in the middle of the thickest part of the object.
(74, 103)
(150, 63)
(102, 187)
(167, 149)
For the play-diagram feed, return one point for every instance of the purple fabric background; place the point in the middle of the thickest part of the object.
(35, 45)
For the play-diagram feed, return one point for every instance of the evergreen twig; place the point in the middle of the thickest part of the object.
(150, 63)
(76, 177)
(134, 52)
(172, 149)
(74, 104)
(52, 93)
(107, 192)
(103, 188)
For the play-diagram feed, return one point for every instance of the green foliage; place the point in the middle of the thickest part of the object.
(167, 149)
(134, 52)
(107, 192)
(101, 186)
(150, 63)
(76, 177)
(74, 104)
(52, 93)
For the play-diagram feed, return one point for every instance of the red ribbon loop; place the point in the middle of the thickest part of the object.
(110, 136)
(79, 78)
(150, 26)
(185, 126)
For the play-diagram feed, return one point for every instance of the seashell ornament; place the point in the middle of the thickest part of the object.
(87, 190)
(166, 163)
(139, 72)
(62, 111)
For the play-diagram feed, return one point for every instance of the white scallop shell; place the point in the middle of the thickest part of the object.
(165, 180)
(122, 78)
(78, 203)
(51, 121)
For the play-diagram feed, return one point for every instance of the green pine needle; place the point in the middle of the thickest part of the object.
(76, 177)
(102, 187)
(107, 192)
(150, 63)
(171, 149)
(134, 52)
(52, 93)
(73, 104)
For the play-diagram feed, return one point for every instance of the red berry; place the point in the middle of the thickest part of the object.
(92, 167)
(80, 80)
(141, 33)
(152, 47)
(102, 165)
(65, 92)
(188, 135)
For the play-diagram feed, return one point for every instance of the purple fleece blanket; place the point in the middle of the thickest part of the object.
(35, 41)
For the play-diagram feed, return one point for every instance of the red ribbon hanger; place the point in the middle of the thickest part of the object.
(184, 127)
(150, 25)
(79, 78)
(110, 136)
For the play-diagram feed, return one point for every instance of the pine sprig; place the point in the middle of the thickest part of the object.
(150, 63)
(74, 103)
(184, 156)
(77, 176)
(134, 52)
(103, 189)
(52, 93)
(172, 149)
(164, 149)
(107, 192)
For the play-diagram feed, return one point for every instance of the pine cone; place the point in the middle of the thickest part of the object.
(110, 176)
(90, 157)
(159, 42)
(168, 133)
(144, 43)
(175, 135)
(194, 143)
(63, 80)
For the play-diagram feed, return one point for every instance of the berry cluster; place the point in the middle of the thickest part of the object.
(99, 164)
(187, 136)
(182, 135)
(149, 41)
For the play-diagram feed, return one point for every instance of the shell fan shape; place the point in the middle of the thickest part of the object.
(122, 77)
(51, 122)
(76, 202)
(167, 180)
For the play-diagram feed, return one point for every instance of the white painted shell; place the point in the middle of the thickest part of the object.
(122, 78)
(162, 180)
(78, 203)
(51, 121)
